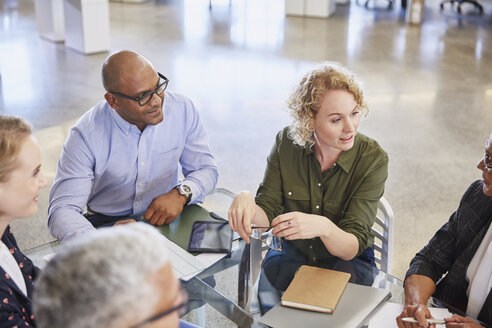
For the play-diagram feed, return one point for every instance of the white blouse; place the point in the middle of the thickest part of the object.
(479, 276)
(10, 265)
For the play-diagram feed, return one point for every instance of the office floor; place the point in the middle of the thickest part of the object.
(429, 89)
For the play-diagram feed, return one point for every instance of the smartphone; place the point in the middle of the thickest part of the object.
(210, 237)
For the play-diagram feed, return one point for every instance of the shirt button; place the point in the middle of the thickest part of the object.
(140, 184)
(319, 184)
(142, 164)
(317, 206)
(290, 193)
(314, 259)
(311, 246)
(335, 164)
(137, 203)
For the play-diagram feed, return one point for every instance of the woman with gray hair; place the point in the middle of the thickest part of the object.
(323, 180)
(20, 182)
(112, 277)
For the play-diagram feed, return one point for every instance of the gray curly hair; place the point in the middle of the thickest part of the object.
(306, 99)
(101, 279)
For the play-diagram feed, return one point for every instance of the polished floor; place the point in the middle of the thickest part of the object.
(429, 89)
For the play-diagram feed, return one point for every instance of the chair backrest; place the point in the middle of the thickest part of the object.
(383, 235)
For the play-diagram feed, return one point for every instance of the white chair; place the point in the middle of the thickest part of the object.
(383, 236)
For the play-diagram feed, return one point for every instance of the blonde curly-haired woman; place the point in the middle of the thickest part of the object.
(323, 180)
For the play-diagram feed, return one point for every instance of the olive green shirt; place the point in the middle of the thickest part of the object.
(347, 193)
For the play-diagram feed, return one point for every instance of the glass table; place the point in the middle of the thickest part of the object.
(231, 286)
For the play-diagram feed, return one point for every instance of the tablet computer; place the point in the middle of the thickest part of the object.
(210, 237)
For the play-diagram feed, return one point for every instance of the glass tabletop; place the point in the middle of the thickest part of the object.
(234, 288)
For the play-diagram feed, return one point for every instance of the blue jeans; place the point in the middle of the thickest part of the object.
(280, 267)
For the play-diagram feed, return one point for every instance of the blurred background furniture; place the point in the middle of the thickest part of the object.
(460, 2)
(366, 3)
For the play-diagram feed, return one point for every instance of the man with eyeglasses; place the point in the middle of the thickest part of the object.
(111, 278)
(122, 157)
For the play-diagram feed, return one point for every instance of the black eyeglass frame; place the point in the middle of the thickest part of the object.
(149, 94)
(181, 307)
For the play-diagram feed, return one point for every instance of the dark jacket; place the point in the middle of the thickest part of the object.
(15, 307)
(452, 249)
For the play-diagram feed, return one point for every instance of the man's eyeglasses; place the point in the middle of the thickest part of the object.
(181, 307)
(487, 161)
(268, 238)
(144, 100)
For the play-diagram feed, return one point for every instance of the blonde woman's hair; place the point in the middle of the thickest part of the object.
(13, 131)
(306, 99)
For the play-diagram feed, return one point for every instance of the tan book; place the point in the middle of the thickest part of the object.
(315, 289)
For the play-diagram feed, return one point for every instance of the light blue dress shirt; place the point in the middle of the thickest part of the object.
(115, 169)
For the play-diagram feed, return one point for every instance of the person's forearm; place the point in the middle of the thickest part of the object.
(338, 242)
(66, 224)
(418, 289)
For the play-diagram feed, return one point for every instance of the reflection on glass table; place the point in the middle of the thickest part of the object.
(235, 286)
(222, 294)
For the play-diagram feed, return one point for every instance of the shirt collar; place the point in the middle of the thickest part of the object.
(125, 126)
(120, 121)
(346, 158)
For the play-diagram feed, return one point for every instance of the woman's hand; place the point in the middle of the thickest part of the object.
(241, 213)
(457, 321)
(417, 311)
(297, 225)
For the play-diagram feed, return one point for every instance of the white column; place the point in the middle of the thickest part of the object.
(49, 19)
(319, 8)
(312, 8)
(294, 7)
(87, 25)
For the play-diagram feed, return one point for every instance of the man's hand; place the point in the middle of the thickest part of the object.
(124, 222)
(457, 321)
(165, 208)
(419, 312)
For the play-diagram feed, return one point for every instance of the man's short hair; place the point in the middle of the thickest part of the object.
(101, 279)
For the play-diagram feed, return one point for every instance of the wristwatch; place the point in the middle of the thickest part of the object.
(185, 191)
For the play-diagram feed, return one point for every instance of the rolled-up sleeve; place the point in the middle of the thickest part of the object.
(269, 195)
(359, 217)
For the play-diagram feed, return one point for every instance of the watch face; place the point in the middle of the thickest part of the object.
(186, 189)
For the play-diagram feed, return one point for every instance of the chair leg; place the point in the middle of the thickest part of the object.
(473, 2)
(444, 1)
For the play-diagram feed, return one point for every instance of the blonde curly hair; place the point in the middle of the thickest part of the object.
(306, 99)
